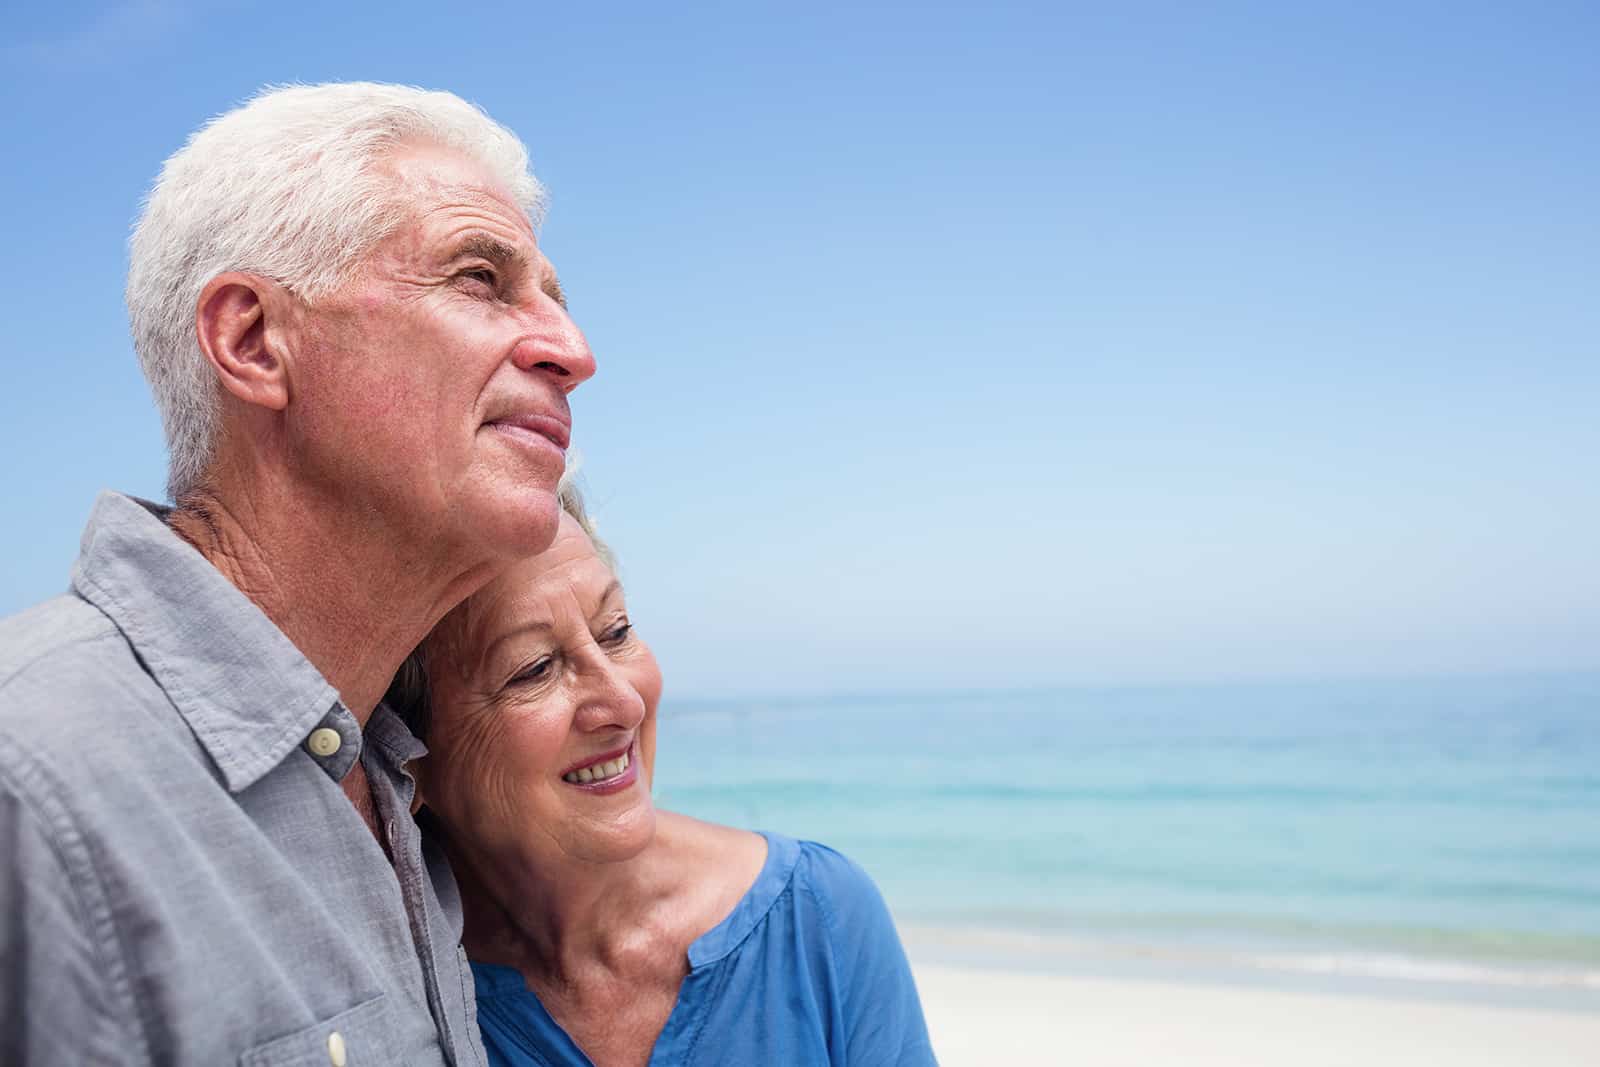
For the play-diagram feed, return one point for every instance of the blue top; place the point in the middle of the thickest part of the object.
(806, 969)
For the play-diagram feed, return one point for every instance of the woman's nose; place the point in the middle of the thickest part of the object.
(606, 699)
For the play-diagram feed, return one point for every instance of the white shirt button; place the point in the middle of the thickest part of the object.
(325, 742)
(336, 1049)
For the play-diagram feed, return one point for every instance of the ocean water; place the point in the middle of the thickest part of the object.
(1444, 834)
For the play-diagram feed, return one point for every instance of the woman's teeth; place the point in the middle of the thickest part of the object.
(599, 772)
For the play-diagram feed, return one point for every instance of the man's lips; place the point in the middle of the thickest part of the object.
(557, 431)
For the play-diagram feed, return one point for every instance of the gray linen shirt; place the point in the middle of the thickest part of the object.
(183, 879)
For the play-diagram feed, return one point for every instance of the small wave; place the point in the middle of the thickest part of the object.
(1414, 969)
(1001, 791)
(1186, 954)
(1297, 794)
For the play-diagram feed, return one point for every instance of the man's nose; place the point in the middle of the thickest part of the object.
(561, 352)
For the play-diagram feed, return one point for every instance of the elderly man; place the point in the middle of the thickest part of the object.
(362, 362)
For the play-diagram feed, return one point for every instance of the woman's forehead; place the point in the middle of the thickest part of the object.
(570, 556)
(537, 587)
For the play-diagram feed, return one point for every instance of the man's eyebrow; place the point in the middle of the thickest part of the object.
(505, 256)
(552, 289)
(496, 251)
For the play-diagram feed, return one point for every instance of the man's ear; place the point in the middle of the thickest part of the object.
(231, 322)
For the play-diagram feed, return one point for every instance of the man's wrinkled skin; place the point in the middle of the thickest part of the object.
(388, 448)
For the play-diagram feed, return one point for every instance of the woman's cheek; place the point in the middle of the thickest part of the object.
(532, 741)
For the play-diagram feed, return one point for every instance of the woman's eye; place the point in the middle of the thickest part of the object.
(618, 634)
(533, 672)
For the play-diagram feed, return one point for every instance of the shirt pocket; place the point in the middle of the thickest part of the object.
(356, 1037)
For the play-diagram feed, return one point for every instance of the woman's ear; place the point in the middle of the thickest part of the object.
(232, 320)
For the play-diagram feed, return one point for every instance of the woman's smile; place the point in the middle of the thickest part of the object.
(606, 774)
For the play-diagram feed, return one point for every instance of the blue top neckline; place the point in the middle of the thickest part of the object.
(805, 968)
(783, 853)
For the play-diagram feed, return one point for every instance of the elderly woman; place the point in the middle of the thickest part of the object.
(602, 930)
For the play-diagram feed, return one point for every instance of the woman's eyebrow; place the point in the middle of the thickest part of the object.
(606, 600)
(541, 626)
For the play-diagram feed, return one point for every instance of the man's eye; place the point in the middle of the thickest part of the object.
(479, 274)
(618, 634)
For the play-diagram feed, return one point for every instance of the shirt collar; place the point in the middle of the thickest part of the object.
(244, 689)
(389, 733)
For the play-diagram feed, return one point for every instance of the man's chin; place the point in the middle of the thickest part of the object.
(517, 525)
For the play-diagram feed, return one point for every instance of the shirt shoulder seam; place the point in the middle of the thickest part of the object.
(108, 631)
(830, 914)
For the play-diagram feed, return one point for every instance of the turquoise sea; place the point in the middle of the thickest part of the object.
(1428, 836)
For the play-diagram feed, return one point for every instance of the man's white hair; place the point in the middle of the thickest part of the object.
(286, 187)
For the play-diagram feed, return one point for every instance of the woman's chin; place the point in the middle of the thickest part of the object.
(618, 840)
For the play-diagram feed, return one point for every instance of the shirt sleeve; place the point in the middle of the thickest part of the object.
(881, 1012)
(53, 1003)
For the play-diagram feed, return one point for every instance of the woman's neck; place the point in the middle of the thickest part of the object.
(557, 921)
(552, 920)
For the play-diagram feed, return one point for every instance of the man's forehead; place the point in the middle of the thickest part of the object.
(457, 208)
(437, 183)
(422, 165)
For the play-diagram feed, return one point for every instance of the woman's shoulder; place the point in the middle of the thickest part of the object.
(831, 892)
(696, 847)
(753, 872)
(838, 913)
(825, 870)
(776, 859)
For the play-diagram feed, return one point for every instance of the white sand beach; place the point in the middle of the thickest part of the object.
(979, 1018)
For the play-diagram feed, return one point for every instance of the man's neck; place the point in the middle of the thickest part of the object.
(351, 595)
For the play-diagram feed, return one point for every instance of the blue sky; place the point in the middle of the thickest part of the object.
(977, 346)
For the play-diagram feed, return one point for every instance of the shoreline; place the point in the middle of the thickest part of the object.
(1213, 961)
(979, 1016)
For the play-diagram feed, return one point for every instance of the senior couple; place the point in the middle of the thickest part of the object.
(223, 839)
